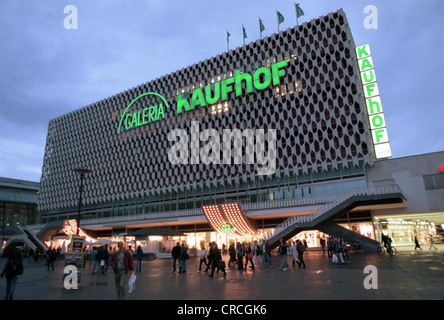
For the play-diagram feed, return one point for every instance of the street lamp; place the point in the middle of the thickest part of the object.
(82, 173)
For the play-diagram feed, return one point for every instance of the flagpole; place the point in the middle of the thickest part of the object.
(277, 17)
(296, 10)
(228, 41)
(260, 31)
(243, 36)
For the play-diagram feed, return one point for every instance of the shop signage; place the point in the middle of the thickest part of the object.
(260, 80)
(227, 226)
(145, 115)
(441, 168)
(213, 93)
(77, 244)
(373, 101)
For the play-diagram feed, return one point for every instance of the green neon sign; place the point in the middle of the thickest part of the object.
(226, 226)
(261, 79)
(213, 93)
(147, 115)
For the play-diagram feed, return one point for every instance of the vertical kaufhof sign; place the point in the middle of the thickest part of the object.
(378, 128)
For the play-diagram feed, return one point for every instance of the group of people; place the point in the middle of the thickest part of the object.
(242, 255)
(297, 250)
(431, 242)
(99, 258)
(337, 250)
(248, 251)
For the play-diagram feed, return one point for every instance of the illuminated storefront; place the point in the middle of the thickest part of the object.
(403, 232)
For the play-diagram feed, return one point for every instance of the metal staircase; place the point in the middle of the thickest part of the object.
(322, 218)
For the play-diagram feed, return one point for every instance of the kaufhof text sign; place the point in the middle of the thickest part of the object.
(375, 112)
(137, 113)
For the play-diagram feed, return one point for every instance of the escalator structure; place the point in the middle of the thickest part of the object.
(323, 218)
(20, 236)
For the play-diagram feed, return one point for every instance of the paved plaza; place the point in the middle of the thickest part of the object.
(409, 275)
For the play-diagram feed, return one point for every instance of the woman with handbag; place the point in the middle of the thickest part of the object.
(249, 257)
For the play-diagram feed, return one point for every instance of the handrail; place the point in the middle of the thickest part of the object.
(374, 190)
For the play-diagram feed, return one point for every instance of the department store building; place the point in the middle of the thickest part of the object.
(309, 92)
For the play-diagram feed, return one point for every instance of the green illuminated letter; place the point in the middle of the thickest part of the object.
(361, 52)
(267, 78)
(160, 112)
(128, 123)
(208, 97)
(145, 115)
(183, 102)
(366, 64)
(238, 77)
(374, 106)
(277, 73)
(226, 87)
(197, 99)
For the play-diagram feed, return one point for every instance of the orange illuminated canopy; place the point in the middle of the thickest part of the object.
(229, 219)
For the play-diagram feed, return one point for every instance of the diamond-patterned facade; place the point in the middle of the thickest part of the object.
(318, 111)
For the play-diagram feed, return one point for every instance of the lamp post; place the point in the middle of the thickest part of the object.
(82, 173)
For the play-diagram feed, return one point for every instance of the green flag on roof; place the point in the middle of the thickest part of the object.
(299, 11)
(280, 17)
(261, 25)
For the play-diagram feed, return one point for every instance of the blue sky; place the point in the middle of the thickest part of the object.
(47, 70)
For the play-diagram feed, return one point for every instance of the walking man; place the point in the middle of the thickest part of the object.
(176, 254)
(266, 254)
(417, 246)
(432, 243)
(301, 248)
(122, 262)
(283, 248)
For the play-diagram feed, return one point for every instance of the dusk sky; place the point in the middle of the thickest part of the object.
(48, 70)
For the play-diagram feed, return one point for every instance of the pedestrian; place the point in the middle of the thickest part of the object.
(13, 269)
(330, 247)
(283, 248)
(294, 253)
(232, 253)
(50, 258)
(417, 246)
(175, 253)
(122, 262)
(432, 243)
(183, 257)
(345, 250)
(106, 255)
(240, 256)
(31, 254)
(257, 252)
(249, 257)
(203, 259)
(139, 256)
(339, 250)
(322, 241)
(92, 258)
(266, 254)
(101, 259)
(301, 248)
(216, 260)
(130, 250)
